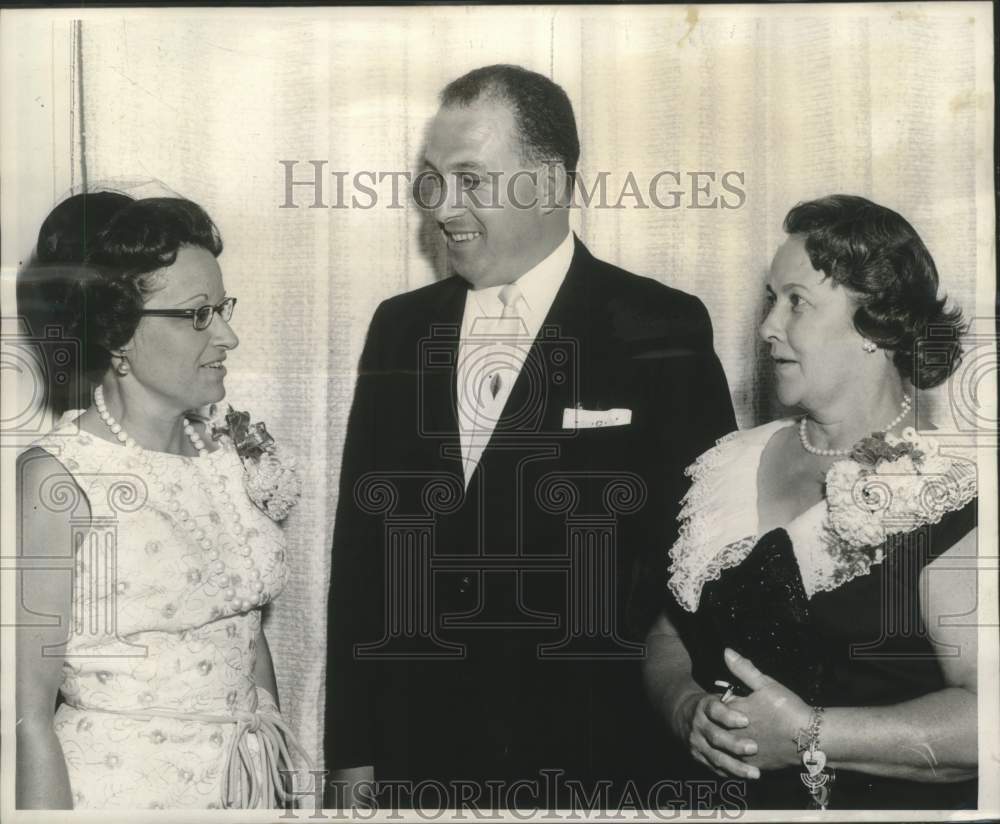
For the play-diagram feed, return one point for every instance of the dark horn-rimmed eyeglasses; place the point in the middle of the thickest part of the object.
(200, 317)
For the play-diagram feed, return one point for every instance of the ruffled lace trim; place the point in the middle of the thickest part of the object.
(718, 518)
(844, 563)
(822, 566)
(687, 586)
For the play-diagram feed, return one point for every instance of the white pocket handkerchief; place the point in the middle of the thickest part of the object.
(595, 418)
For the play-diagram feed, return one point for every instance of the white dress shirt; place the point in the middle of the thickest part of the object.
(491, 347)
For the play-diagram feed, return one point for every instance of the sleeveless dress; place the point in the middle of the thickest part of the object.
(837, 626)
(160, 708)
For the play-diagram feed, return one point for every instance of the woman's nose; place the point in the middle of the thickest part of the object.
(223, 334)
(770, 327)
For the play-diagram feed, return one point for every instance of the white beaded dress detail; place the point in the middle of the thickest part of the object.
(153, 628)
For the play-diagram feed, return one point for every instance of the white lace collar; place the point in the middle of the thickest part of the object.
(718, 518)
(719, 521)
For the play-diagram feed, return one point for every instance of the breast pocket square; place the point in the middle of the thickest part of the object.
(595, 418)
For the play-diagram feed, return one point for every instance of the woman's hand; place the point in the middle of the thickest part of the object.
(705, 724)
(700, 720)
(777, 716)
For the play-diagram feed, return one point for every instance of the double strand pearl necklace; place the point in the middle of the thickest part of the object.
(836, 453)
(255, 594)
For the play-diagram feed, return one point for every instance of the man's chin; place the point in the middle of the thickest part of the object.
(476, 278)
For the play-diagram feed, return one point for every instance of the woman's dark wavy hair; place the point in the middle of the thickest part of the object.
(877, 254)
(50, 291)
(140, 239)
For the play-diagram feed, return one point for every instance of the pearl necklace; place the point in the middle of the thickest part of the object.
(226, 583)
(832, 453)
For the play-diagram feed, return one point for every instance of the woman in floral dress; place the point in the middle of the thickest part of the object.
(809, 648)
(169, 527)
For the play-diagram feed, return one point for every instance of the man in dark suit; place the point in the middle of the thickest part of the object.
(513, 467)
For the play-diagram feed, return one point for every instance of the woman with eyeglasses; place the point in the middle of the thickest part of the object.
(168, 524)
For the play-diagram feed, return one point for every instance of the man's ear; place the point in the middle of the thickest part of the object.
(553, 187)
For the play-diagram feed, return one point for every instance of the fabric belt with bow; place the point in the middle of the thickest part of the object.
(242, 787)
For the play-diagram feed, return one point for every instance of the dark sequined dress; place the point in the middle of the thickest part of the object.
(860, 643)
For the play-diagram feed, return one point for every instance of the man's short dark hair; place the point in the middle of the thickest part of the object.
(542, 111)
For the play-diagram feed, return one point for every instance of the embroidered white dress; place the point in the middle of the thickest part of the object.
(835, 620)
(154, 636)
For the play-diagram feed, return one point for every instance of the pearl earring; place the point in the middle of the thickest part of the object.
(869, 346)
(122, 367)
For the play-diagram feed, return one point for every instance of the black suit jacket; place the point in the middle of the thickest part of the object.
(494, 632)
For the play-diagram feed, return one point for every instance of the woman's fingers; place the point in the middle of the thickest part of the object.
(725, 741)
(704, 761)
(723, 749)
(725, 715)
(744, 669)
(715, 721)
(722, 739)
(719, 761)
(713, 744)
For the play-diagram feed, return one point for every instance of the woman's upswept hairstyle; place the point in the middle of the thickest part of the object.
(139, 240)
(50, 296)
(877, 254)
(90, 274)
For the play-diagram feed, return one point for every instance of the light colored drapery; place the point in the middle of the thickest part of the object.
(888, 102)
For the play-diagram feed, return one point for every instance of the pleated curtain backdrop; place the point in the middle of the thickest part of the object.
(891, 103)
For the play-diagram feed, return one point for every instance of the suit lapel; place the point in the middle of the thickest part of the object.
(438, 365)
(549, 380)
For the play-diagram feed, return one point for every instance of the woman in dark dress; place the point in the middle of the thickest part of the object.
(821, 560)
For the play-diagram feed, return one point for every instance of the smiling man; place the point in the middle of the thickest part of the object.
(497, 200)
(512, 471)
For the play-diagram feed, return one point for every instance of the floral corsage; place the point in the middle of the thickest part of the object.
(270, 478)
(893, 485)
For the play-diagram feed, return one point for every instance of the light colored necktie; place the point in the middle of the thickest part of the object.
(510, 296)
